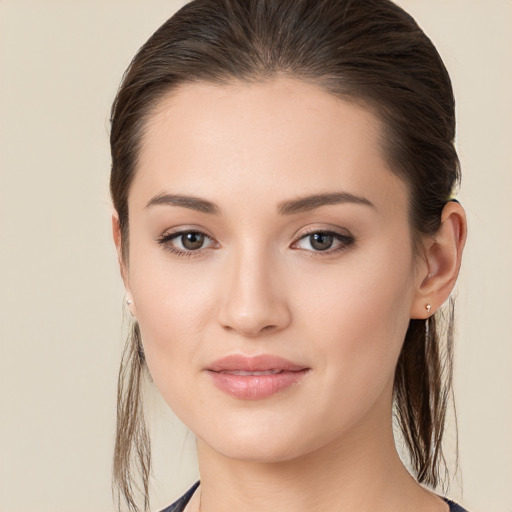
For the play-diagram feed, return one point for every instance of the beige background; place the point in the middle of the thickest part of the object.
(61, 296)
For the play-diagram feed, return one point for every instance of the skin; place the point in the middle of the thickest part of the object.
(258, 286)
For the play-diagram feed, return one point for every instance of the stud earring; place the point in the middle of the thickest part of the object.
(428, 307)
(129, 301)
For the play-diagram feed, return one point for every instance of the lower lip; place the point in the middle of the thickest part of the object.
(256, 387)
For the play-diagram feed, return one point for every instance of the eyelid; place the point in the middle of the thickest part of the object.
(325, 228)
(184, 229)
(329, 229)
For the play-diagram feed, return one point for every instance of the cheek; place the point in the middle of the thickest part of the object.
(173, 305)
(358, 315)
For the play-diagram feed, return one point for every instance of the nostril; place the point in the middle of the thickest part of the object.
(250, 330)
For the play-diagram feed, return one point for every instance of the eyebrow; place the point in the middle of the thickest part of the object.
(290, 207)
(304, 204)
(193, 203)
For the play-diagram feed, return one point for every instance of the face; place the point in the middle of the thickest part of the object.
(270, 266)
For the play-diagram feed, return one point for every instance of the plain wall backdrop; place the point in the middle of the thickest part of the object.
(60, 291)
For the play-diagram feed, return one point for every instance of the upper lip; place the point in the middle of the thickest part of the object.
(259, 363)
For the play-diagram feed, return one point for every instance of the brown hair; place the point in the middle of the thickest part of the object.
(370, 52)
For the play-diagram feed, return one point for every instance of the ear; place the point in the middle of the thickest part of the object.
(118, 241)
(443, 254)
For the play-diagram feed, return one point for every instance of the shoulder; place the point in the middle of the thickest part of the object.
(180, 504)
(454, 507)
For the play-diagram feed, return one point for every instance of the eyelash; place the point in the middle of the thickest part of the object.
(345, 240)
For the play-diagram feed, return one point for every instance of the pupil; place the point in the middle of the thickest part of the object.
(321, 241)
(192, 240)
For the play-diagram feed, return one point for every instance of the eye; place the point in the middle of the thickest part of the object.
(186, 242)
(324, 241)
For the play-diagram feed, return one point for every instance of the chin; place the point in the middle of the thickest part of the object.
(261, 445)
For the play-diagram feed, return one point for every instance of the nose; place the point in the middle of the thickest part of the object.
(254, 296)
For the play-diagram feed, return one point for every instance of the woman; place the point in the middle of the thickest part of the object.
(282, 180)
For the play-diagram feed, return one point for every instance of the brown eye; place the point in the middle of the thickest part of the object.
(328, 242)
(321, 241)
(186, 242)
(192, 240)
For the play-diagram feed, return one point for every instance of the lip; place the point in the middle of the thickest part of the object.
(235, 376)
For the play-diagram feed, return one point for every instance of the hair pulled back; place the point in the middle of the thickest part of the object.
(369, 52)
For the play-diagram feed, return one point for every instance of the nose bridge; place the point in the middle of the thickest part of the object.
(253, 300)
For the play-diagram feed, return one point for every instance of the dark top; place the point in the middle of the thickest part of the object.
(179, 505)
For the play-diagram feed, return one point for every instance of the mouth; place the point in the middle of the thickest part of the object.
(255, 378)
(254, 364)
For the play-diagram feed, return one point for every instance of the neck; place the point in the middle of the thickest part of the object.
(359, 471)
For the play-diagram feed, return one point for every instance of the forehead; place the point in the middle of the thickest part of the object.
(279, 135)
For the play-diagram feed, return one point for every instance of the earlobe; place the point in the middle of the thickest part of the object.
(118, 241)
(443, 254)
